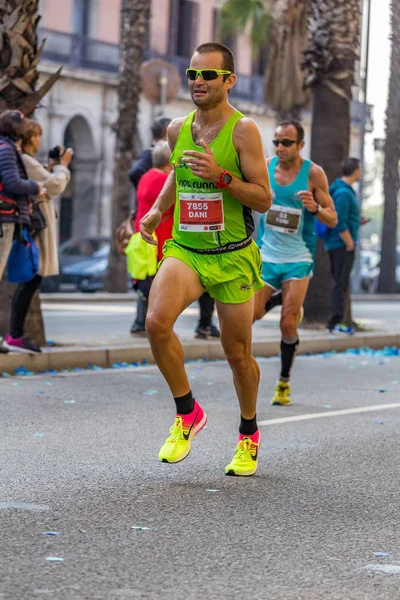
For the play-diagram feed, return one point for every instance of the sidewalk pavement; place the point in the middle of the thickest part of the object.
(105, 342)
(102, 297)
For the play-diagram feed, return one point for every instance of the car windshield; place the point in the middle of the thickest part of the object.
(365, 261)
(91, 248)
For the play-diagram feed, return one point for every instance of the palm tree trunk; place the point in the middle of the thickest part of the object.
(330, 140)
(134, 28)
(19, 59)
(330, 59)
(391, 182)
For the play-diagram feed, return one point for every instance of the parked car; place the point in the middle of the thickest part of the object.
(83, 265)
(369, 270)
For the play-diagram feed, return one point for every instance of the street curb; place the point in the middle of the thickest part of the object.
(81, 298)
(105, 298)
(58, 359)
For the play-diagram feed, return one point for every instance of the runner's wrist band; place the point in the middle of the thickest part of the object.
(224, 180)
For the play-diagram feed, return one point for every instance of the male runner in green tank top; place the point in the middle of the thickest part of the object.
(220, 176)
(288, 242)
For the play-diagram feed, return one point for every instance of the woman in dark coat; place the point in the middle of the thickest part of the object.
(16, 190)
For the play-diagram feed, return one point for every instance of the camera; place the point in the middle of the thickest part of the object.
(55, 153)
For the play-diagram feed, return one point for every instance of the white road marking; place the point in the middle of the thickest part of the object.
(23, 506)
(328, 414)
(389, 569)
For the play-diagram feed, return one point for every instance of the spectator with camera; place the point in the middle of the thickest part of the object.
(54, 180)
(16, 190)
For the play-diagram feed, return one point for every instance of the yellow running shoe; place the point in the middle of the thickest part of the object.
(282, 394)
(244, 463)
(178, 445)
(301, 316)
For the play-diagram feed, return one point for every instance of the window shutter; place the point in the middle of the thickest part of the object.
(173, 27)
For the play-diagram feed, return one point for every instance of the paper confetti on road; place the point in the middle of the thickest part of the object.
(54, 559)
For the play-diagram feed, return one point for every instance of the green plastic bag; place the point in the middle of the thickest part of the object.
(141, 257)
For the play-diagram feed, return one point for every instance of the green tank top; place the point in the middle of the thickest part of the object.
(206, 217)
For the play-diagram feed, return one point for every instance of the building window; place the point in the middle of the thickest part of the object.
(230, 40)
(84, 20)
(183, 27)
(260, 62)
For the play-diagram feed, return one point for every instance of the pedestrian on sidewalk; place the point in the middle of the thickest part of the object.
(341, 242)
(150, 186)
(54, 179)
(144, 161)
(16, 190)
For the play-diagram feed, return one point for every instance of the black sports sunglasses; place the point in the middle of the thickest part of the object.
(285, 142)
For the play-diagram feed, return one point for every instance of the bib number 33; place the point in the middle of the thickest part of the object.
(284, 218)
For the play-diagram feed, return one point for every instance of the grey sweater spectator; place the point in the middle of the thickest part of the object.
(145, 162)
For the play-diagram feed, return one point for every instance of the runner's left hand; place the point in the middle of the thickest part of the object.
(203, 164)
(308, 201)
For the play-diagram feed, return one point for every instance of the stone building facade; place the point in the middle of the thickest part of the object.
(83, 35)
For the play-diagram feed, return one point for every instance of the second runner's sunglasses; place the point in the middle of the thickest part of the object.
(206, 74)
(285, 142)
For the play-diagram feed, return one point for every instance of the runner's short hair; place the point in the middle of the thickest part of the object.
(349, 166)
(228, 58)
(298, 127)
(161, 153)
(159, 128)
(11, 124)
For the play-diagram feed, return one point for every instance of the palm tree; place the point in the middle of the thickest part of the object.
(329, 63)
(391, 182)
(321, 57)
(282, 27)
(134, 31)
(19, 60)
(285, 91)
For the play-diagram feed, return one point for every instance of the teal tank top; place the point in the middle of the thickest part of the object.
(289, 229)
(206, 217)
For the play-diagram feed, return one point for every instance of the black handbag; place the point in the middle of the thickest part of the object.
(38, 220)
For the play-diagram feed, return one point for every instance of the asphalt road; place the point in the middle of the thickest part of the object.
(98, 323)
(79, 457)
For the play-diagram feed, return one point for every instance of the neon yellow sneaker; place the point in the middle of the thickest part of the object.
(282, 394)
(244, 463)
(301, 316)
(186, 427)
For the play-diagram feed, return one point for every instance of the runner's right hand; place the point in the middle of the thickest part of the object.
(148, 225)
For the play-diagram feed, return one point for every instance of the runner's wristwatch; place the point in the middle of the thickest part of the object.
(224, 180)
(319, 208)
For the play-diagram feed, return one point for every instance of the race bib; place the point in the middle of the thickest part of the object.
(201, 212)
(284, 218)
